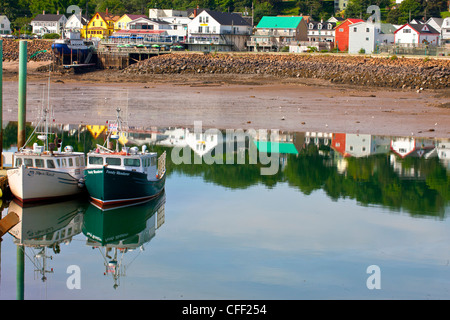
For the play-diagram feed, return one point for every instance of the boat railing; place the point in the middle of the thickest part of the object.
(162, 164)
(104, 149)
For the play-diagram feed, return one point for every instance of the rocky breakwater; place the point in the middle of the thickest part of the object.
(11, 50)
(392, 72)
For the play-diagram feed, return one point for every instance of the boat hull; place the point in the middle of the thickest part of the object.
(114, 186)
(64, 49)
(35, 184)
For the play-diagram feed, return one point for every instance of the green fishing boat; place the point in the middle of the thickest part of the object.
(129, 175)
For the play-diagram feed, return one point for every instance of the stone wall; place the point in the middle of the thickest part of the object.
(392, 72)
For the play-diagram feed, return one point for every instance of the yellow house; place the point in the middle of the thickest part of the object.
(100, 26)
(123, 21)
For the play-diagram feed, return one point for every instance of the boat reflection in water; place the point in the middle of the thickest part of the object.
(116, 231)
(46, 226)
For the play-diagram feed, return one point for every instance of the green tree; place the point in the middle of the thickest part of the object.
(409, 9)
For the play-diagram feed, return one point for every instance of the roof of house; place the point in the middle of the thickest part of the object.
(3, 17)
(385, 28)
(106, 16)
(420, 28)
(48, 17)
(135, 16)
(325, 25)
(226, 18)
(354, 20)
(438, 21)
(279, 22)
(158, 21)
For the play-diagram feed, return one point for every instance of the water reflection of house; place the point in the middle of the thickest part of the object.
(281, 142)
(200, 142)
(443, 152)
(359, 145)
(413, 147)
(318, 138)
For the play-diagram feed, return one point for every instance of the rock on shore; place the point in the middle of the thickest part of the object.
(11, 50)
(392, 72)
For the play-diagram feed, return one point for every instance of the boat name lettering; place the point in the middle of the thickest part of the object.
(118, 173)
(40, 173)
(94, 171)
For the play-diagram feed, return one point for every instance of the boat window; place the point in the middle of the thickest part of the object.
(153, 161)
(39, 163)
(132, 162)
(64, 162)
(70, 162)
(58, 161)
(96, 160)
(50, 163)
(28, 162)
(18, 162)
(113, 161)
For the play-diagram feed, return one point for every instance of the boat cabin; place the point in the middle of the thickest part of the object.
(146, 162)
(38, 158)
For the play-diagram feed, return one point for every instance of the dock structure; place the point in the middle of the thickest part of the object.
(113, 56)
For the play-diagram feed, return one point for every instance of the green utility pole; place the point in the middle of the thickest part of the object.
(21, 134)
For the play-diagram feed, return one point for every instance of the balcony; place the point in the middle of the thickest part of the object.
(204, 39)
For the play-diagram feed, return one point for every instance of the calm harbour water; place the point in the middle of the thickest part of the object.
(336, 206)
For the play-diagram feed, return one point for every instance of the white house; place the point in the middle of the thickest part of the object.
(413, 34)
(175, 27)
(144, 23)
(76, 22)
(48, 23)
(5, 25)
(436, 23)
(321, 31)
(218, 31)
(445, 31)
(178, 20)
(367, 36)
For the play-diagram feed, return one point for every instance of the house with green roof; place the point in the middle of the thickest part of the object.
(274, 33)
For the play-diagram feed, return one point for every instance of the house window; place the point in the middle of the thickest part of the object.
(329, 26)
(319, 26)
(355, 29)
(367, 39)
(367, 30)
(200, 29)
(206, 19)
(311, 26)
(341, 29)
(406, 30)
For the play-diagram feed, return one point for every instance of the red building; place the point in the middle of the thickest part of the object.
(341, 33)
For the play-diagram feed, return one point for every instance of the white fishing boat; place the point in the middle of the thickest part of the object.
(45, 172)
